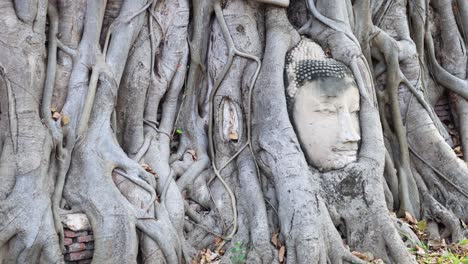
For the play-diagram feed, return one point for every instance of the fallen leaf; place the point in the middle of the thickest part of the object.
(65, 120)
(218, 241)
(458, 151)
(422, 225)
(274, 239)
(281, 254)
(192, 152)
(233, 136)
(56, 115)
(410, 218)
(420, 251)
(148, 169)
(363, 255)
(463, 224)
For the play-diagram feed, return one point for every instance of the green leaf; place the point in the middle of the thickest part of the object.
(422, 225)
(179, 131)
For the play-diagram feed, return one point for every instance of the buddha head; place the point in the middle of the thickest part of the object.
(323, 102)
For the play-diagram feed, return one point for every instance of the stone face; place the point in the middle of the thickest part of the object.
(323, 102)
(76, 222)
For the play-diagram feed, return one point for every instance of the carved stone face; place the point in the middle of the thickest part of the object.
(323, 102)
(325, 113)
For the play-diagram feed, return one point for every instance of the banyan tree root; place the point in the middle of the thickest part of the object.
(438, 175)
(305, 224)
(102, 120)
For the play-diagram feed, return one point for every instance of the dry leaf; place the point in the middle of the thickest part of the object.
(218, 240)
(458, 151)
(56, 115)
(233, 135)
(274, 239)
(149, 169)
(192, 152)
(363, 255)
(410, 218)
(463, 224)
(53, 109)
(281, 254)
(420, 251)
(65, 120)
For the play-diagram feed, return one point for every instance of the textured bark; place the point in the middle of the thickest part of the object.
(166, 123)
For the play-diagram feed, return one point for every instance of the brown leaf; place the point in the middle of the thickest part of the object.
(56, 115)
(193, 153)
(363, 255)
(281, 254)
(420, 251)
(149, 169)
(53, 109)
(65, 120)
(233, 135)
(274, 239)
(463, 224)
(458, 151)
(410, 218)
(218, 241)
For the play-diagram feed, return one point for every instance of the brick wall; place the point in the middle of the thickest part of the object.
(78, 239)
(79, 246)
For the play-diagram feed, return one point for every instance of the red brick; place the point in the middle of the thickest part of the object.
(79, 255)
(67, 241)
(85, 238)
(69, 233)
(76, 247)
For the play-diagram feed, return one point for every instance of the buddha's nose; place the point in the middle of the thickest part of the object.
(348, 131)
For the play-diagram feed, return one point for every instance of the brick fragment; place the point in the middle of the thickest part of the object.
(76, 247)
(69, 233)
(79, 255)
(83, 239)
(67, 241)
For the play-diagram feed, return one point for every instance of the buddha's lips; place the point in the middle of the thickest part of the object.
(347, 149)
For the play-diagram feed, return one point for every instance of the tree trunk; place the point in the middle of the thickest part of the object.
(167, 124)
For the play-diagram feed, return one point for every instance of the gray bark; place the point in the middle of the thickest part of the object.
(166, 123)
